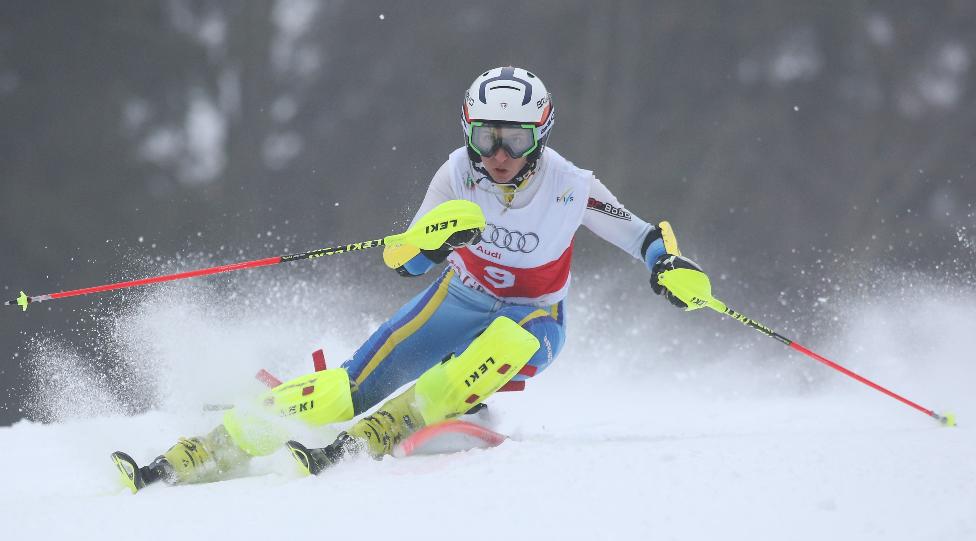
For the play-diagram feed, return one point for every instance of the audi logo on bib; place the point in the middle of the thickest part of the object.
(511, 240)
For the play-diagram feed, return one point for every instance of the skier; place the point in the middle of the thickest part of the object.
(494, 314)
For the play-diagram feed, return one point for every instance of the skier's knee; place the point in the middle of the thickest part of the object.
(550, 335)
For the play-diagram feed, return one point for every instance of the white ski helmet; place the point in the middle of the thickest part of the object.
(510, 97)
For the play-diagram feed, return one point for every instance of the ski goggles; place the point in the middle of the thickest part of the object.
(518, 140)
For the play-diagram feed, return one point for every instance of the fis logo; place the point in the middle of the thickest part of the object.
(566, 198)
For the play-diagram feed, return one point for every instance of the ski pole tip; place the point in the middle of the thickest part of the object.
(22, 301)
(949, 419)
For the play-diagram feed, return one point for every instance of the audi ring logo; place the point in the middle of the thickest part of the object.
(513, 241)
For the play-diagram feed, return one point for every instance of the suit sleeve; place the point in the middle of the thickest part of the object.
(609, 220)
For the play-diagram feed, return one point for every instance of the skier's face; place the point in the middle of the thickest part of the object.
(502, 167)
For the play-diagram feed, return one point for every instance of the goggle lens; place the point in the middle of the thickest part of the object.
(518, 141)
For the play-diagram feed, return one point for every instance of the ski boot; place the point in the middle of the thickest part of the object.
(175, 466)
(315, 461)
(191, 460)
(187, 453)
(376, 434)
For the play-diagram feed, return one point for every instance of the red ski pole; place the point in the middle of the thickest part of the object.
(429, 232)
(695, 290)
(23, 300)
(948, 419)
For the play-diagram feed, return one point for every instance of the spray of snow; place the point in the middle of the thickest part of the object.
(181, 345)
(67, 385)
(966, 239)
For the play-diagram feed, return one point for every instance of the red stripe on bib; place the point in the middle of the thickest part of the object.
(505, 281)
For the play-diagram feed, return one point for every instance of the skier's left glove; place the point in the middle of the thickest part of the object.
(660, 252)
(670, 262)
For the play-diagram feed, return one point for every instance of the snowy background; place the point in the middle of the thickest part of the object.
(815, 158)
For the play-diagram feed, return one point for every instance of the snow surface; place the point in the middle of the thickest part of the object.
(666, 445)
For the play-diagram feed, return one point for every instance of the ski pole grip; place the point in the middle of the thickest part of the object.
(22, 301)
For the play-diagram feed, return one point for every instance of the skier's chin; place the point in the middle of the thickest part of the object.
(501, 175)
(502, 170)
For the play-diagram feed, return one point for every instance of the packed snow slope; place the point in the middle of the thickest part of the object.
(652, 424)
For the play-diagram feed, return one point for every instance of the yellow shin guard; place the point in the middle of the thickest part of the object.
(455, 386)
(450, 388)
(315, 399)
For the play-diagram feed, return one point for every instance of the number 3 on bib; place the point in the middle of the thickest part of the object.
(499, 278)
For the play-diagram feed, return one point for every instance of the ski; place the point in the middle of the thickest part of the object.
(129, 471)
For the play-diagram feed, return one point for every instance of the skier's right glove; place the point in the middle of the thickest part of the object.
(425, 259)
(670, 262)
(457, 240)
